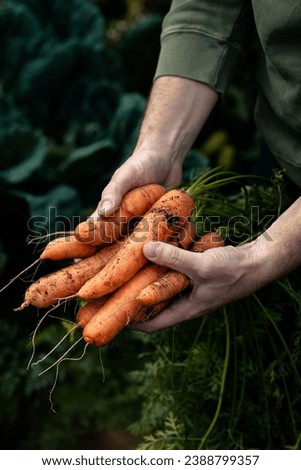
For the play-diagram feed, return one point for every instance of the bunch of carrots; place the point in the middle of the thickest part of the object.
(116, 283)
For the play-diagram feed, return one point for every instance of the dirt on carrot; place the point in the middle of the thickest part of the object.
(65, 282)
(170, 213)
(173, 282)
(87, 311)
(100, 231)
(66, 248)
(121, 308)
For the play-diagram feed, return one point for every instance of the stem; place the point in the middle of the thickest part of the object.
(191, 350)
(293, 295)
(290, 406)
(266, 312)
(297, 444)
(233, 417)
(202, 184)
(264, 388)
(203, 178)
(242, 390)
(289, 403)
(223, 382)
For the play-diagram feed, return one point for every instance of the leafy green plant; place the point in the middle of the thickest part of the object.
(232, 379)
(229, 381)
(66, 123)
(71, 103)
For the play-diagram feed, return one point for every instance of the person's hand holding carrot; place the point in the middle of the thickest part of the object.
(141, 168)
(217, 276)
(176, 112)
(226, 274)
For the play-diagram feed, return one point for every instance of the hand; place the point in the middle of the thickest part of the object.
(141, 168)
(218, 276)
(226, 274)
(176, 111)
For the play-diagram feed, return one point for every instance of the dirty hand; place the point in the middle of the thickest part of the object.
(141, 168)
(218, 276)
(223, 275)
(176, 111)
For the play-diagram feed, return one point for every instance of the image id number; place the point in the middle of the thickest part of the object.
(221, 459)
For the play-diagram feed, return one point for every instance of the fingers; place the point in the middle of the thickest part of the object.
(219, 276)
(121, 182)
(129, 175)
(178, 312)
(173, 257)
(139, 169)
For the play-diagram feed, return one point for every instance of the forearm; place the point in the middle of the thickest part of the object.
(176, 112)
(277, 251)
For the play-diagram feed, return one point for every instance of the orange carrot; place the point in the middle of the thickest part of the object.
(61, 248)
(167, 215)
(207, 241)
(121, 308)
(108, 229)
(146, 312)
(66, 247)
(67, 281)
(87, 311)
(173, 282)
(184, 237)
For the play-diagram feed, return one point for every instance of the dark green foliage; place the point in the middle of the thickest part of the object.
(88, 398)
(231, 380)
(66, 123)
(70, 111)
(139, 49)
(66, 120)
(260, 399)
(59, 81)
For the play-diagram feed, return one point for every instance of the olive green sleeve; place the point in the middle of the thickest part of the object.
(204, 40)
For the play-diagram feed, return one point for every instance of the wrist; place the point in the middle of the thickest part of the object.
(158, 149)
(278, 248)
(255, 265)
(264, 260)
(176, 112)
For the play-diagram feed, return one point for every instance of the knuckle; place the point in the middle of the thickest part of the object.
(174, 256)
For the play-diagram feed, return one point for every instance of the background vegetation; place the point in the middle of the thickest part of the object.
(74, 80)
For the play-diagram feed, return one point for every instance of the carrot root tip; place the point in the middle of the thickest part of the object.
(22, 306)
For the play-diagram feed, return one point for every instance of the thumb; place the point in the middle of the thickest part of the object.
(111, 199)
(170, 256)
(126, 177)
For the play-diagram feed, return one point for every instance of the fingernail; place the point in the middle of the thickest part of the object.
(105, 207)
(152, 249)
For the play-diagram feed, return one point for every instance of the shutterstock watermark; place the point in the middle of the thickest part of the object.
(238, 227)
(43, 226)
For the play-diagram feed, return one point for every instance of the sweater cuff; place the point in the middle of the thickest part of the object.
(199, 57)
